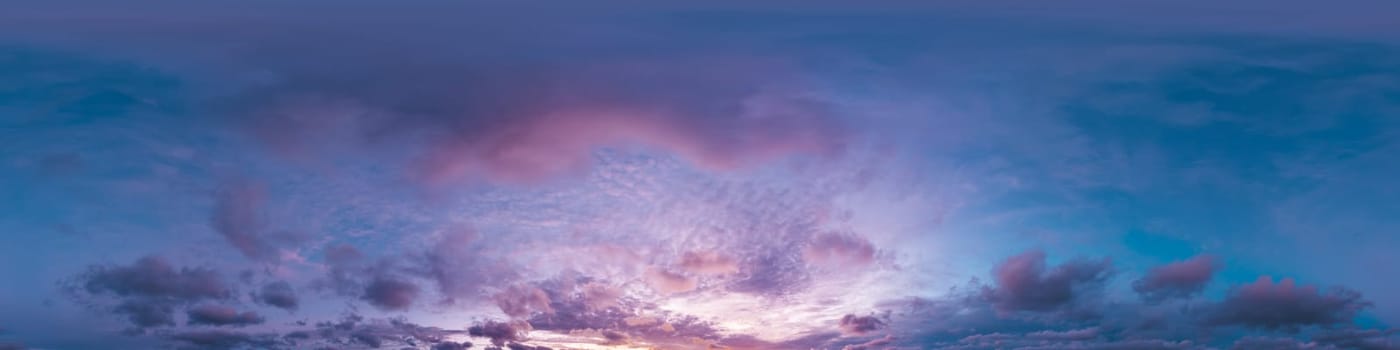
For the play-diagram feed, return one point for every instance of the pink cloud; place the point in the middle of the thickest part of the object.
(1178, 279)
(708, 263)
(669, 282)
(839, 249)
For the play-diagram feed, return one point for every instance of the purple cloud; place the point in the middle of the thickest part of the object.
(839, 249)
(154, 277)
(857, 325)
(147, 312)
(1023, 284)
(220, 339)
(1180, 279)
(278, 294)
(1286, 306)
(391, 294)
(238, 216)
(219, 315)
(522, 301)
(500, 332)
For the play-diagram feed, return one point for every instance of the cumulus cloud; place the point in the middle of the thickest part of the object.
(1286, 305)
(500, 332)
(390, 293)
(154, 277)
(522, 301)
(219, 315)
(278, 294)
(1177, 280)
(1024, 284)
(149, 290)
(856, 325)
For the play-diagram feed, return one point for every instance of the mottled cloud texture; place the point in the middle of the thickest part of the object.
(622, 174)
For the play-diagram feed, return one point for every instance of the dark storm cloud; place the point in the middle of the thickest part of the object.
(1286, 306)
(219, 315)
(1177, 280)
(1024, 284)
(278, 294)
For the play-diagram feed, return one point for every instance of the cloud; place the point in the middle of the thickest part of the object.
(147, 312)
(708, 263)
(856, 325)
(220, 339)
(1286, 306)
(1023, 284)
(447, 345)
(1069, 335)
(872, 344)
(218, 315)
(149, 290)
(500, 332)
(154, 277)
(522, 301)
(354, 329)
(1180, 279)
(1359, 339)
(669, 282)
(390, 294)
(238, 216)
(840, 250)
(278, 294)
(460, 264)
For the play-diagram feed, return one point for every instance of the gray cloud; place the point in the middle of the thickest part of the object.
(219, 315)
(278, 294)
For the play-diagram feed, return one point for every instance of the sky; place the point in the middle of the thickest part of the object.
(619, 174)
